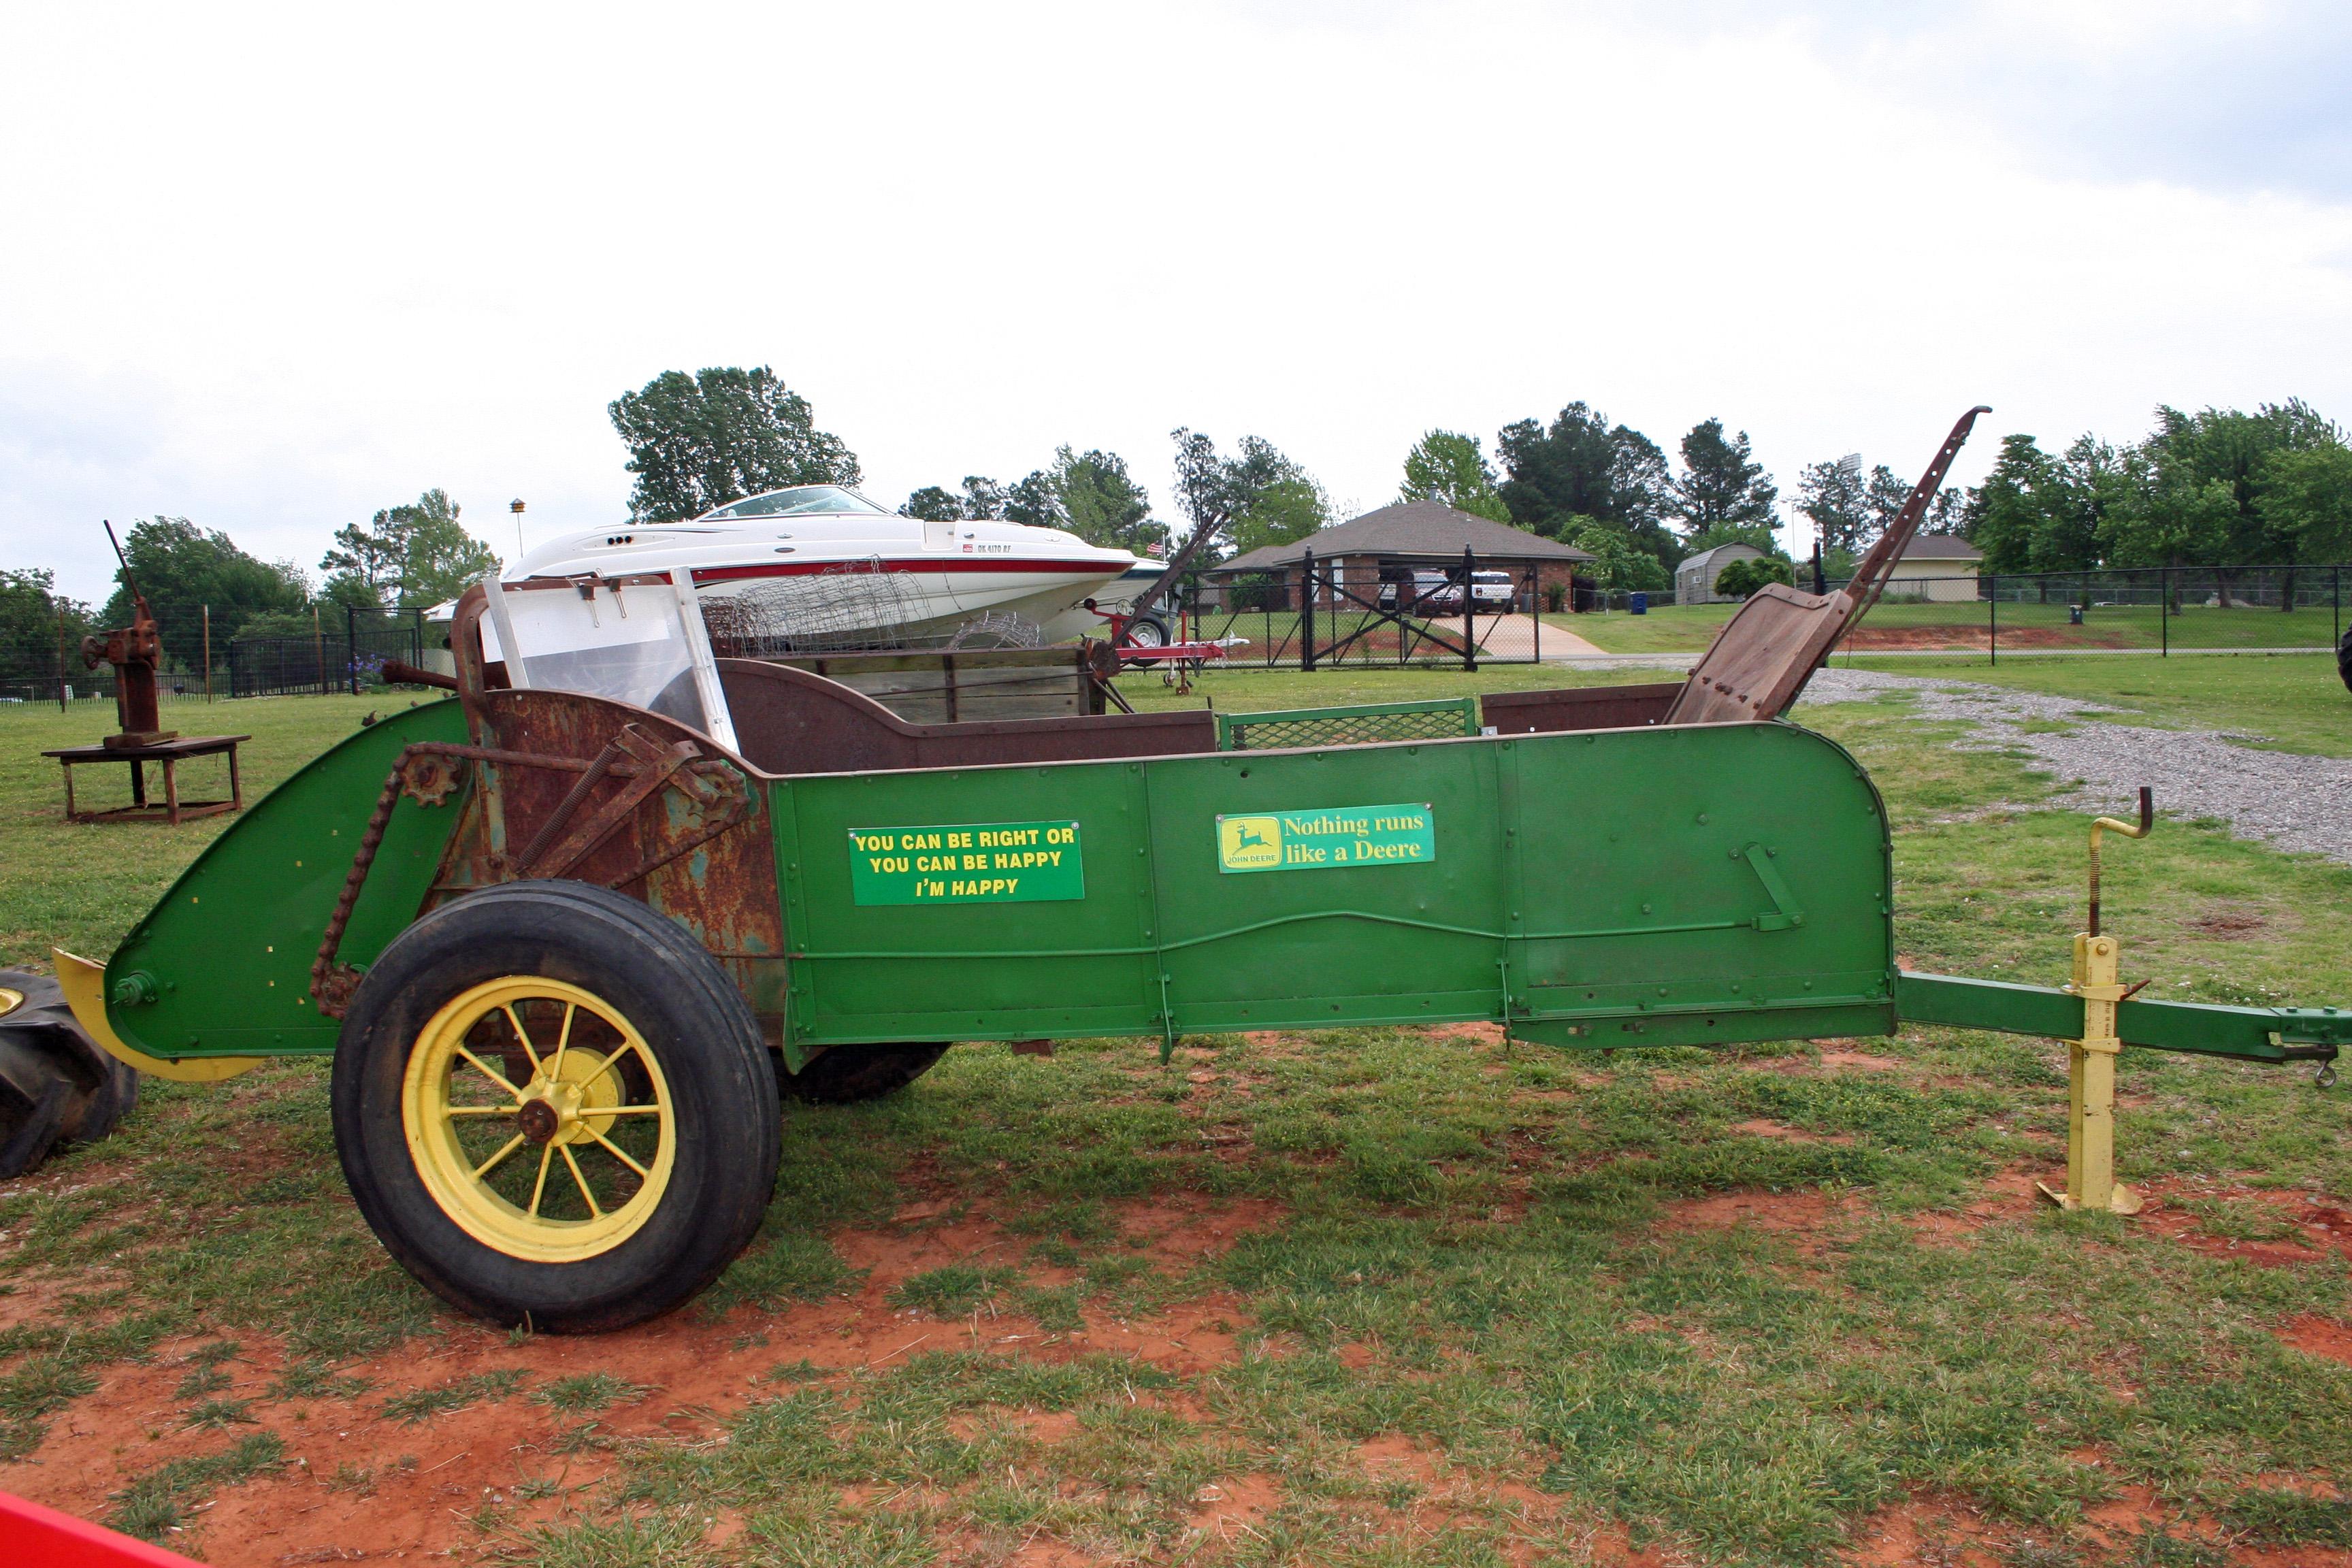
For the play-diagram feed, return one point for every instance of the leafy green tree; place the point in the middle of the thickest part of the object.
(1722, 492)
(1283, 512)
(182, 568)
(1101, 502)
(2194, 491)
(1451, 468)
(406, 556)
(1581, 467)
(1262, 495)
(443, 560)
(1888, 494)
(980, 500)
(2307, 496)
(1742, 578)
(702, 440)
(33, 618)
(1090, 494)
(933, 503)
(1836, 499)
(2037, 512)
(1619, 564)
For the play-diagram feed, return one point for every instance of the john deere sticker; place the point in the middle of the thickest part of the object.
(1339, 835)
(974, 863)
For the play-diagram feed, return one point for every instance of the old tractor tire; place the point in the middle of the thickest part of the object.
(846, 1075)
(56, 1085)
(540, 1019)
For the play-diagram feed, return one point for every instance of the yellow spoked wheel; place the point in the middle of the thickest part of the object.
(539, 1119)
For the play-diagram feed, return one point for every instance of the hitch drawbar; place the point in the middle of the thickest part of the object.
(2096, 1020)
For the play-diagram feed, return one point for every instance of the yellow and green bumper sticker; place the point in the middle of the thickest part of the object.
(967, 863)
(1328, 840)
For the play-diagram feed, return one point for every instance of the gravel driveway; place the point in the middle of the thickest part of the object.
(2292, 802)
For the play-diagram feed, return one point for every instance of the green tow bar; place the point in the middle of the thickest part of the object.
(2097, 1017)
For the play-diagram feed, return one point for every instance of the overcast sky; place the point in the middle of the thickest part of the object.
(274, 269)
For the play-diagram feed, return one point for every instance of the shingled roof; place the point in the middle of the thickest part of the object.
(1427, 530)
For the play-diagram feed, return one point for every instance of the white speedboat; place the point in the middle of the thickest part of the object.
(946, 573)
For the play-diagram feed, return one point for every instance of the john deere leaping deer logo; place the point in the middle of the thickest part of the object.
(1249, 843)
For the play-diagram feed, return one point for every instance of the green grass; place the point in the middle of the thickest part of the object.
(1664, 628)
(2295, 699)
(1486, 1252)
(1256, 690)
(1688, 628)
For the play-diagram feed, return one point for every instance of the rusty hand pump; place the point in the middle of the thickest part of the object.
(135, 651)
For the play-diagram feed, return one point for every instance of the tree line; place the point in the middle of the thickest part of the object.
(2220, 488)
(2215, 489)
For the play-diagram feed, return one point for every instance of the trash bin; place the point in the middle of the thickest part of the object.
(2073, 614)
(1637, 604)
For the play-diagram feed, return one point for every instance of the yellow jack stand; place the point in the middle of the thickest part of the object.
(2090, 1061)
(2091, 1085)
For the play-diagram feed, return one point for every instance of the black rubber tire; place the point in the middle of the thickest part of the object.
(2343, 660)
(846, 1075)
(653, 972)
(1149, 630)
(56, 1086)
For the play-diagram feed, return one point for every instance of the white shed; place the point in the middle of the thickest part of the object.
(1941, 567)
(1694, 578)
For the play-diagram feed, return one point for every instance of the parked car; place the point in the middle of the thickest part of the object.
(1436, 593)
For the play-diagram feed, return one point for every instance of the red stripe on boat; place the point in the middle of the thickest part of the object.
(997, 563)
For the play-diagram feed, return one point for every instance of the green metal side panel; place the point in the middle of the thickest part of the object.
(229, 947)
(1613, 888)
(2254, 1034)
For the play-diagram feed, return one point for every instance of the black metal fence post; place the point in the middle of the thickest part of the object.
(1469, 609)
(1306, 613)
(1992, 622)
(2164, 611)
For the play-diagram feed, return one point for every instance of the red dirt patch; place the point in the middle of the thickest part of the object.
(2320, 1337)
(1226, 1509)
(2009, 1196)
(697, 1372)
(2321, 1228)
(1803, 1212)
(1974, 638)
(1763, 1128)
(1860, 1060)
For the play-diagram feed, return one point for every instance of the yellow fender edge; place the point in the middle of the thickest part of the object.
(84, 984)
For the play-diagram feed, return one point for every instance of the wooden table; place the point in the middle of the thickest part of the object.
(170, 753)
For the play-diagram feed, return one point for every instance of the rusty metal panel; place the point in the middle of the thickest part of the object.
(790, 722)
(1578, 707)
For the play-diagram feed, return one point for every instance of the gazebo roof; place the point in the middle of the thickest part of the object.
(1426, 529)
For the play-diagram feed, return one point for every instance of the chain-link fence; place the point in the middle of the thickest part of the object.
(344, 651)
(2156, 609)
(1356, 612)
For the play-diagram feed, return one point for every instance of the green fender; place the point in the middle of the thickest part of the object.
(221, 967)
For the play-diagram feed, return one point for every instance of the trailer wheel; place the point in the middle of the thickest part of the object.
(56, 1086)
(1148, 629)
(848, 1074)
(553, 1107)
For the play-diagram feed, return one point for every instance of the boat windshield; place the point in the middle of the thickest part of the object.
(801, 498)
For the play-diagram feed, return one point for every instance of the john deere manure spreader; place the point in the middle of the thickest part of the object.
(565, 934)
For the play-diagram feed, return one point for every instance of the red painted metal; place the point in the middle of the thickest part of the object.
(32, 1536)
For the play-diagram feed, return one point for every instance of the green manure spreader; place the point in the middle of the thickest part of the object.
(567, 934)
